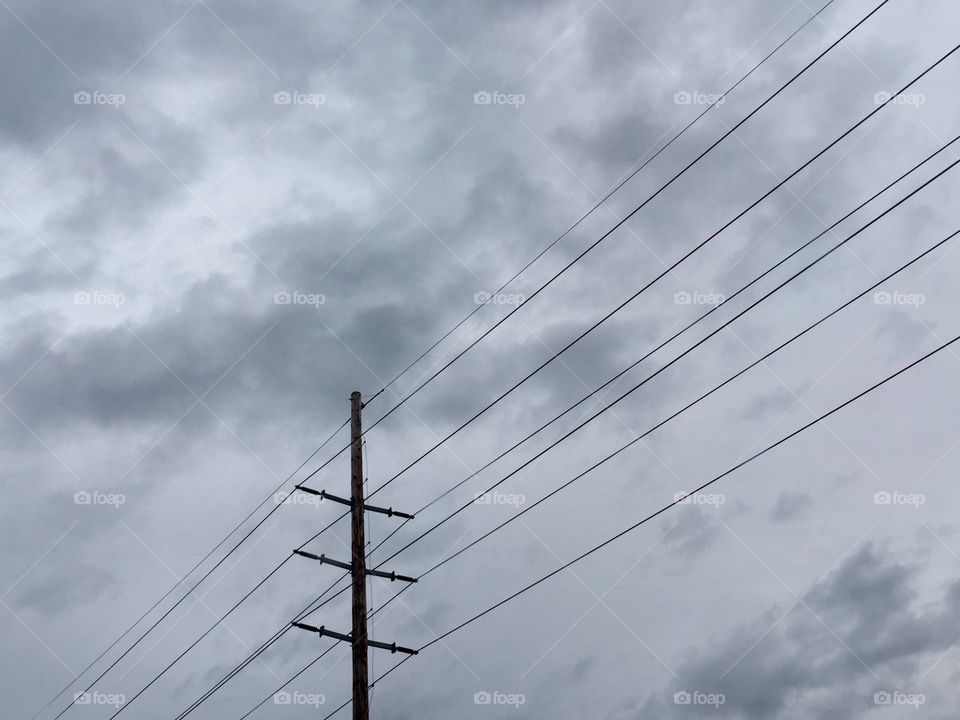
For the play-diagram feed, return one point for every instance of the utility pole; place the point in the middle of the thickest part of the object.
(357, 566)
(361, 704)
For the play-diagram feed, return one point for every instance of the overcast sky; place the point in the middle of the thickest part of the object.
(220, 218)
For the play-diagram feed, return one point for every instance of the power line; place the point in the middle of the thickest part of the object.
(212, 627)
(686, 407)
(651, 197)
(656, 279)
(664, 343)
(674, 265)
(597, 205)
(219, 620)
(671, 417)
(703, 340)
(597, 242)
(195, 642)
(383, 417)
(606, 197)
(310, 608)
(633, 212)
(301, 672)
(663, 509)
(246, 662)
(702, 487)
(603, 200)
(421, 386)
(730, 131)
(593, 417)
(318, 602)
(686, 352)
(469, 315)
(188, 573)
(224, 680)
(256, 653)
(663, 187)
(192, 589)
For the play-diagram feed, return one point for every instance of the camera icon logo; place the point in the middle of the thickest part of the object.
(682, 698)
(482, 98)
(482, 698)
(882, 698)
(282, 98)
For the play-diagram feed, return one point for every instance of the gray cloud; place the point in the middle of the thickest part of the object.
(790, 506)
(828, 654)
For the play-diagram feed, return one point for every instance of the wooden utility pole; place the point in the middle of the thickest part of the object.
(357, 567)
(361, 704)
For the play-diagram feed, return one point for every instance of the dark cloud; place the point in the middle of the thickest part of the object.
(50, 596)
(790, 506)
(859, 632)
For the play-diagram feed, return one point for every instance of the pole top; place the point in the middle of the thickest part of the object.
(355, 394)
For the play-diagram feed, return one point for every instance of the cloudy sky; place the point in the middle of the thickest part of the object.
(220, 218)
